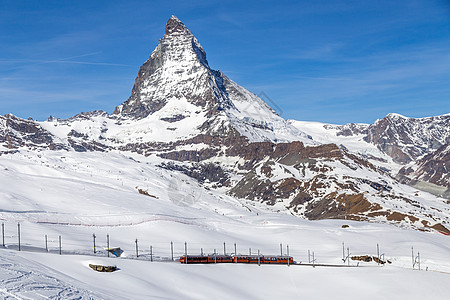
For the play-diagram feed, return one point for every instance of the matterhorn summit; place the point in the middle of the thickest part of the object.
(176, 83)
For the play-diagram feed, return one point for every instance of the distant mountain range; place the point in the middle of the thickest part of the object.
(197, 121)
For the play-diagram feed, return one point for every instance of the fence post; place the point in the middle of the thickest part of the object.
(18, 233)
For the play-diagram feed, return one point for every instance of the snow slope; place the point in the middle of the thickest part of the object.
(75, 195)
(69, 277)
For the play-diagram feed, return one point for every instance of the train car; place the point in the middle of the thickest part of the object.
(220, 258)
(243, 259)
(263, 259)
(247, 259)
(194, 259)
(276, 259)
(206, 259)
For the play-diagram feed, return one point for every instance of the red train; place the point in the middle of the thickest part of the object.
(244, 259)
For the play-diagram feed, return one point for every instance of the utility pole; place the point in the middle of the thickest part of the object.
(60, 252)
(18, 233)
(343, 252)
(235, 253)
(95, 250)
(46, 243)
(314, 260)
(215, 257)
(107, 244)
(171, 249)
(412, 256)
(281, 249)
(309, 257)
(3, 234)
(288, 257)
(249, 251)
(378, 254)
(137, 249)
(224, 249)
(185, 252)
(348, 257)
(259, 260)
(418, 257)
(201, 251)
(151, 253)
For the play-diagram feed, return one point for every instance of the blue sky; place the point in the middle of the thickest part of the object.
(329, 61)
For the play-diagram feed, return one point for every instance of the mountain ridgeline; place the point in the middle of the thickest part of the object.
(195, 120)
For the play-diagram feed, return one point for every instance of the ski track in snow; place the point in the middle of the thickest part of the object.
(22, 281)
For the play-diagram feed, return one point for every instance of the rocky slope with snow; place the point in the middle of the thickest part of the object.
(413, 149)
(194, 120)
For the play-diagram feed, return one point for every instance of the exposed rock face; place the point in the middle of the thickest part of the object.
(433, 168)
(16, 133)
(404, 139)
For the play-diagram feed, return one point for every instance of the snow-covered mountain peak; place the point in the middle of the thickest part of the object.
(175, 26)
(396, 116)
(176, 83)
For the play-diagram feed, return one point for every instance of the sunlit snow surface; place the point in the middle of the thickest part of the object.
(75, 195)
